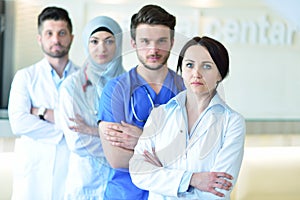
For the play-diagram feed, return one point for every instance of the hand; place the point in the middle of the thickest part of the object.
(121, 135)
(34, 111)
(209, 181)
(152, 158)
(81, 127)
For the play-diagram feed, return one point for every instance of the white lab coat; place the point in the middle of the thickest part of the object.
(215, 144)
(41, 152)
(88, 167)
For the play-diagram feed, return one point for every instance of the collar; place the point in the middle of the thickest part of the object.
(180, 100)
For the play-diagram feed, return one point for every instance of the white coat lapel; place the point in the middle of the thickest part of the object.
(201, 130)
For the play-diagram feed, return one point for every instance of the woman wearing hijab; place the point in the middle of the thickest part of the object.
(79, 99)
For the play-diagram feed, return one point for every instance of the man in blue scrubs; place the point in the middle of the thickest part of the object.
(127, 100)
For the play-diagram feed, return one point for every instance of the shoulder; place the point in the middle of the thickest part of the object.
(28, 71)
(173, 105)
(232, 115)
(177, 80)
(74, 67)
(122, 81)
(72, 80)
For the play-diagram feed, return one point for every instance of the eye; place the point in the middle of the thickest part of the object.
(94, 41)
(162, 40)
(48, 33)
(62, 33)
(109, 41)
(206, 66)
(145, 41)
(189, 65)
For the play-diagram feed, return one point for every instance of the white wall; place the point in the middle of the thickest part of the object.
(264, 45)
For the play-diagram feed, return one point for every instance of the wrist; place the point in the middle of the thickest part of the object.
(41, 112)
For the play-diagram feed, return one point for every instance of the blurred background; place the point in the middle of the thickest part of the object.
(263, 38)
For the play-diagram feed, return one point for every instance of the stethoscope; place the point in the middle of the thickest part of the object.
(84, 87)
(87, 81)
(132, 104)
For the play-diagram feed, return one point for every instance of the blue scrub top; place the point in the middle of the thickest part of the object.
(114, 107)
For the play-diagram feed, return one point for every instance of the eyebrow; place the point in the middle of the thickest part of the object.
(109, 37)
(150, 39)
(208, 62)
(188, 60)
(204, 62)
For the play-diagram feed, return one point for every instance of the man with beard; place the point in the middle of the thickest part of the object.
(127, 100)
(41, 151)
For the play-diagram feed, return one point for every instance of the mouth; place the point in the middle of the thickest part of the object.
(154, 58)
(57, 47)
(102, 56)
(195, 83)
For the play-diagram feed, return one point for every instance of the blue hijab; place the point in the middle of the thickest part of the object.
(99, 74)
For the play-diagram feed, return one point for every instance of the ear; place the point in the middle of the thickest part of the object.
(72, 37)
(133, 43)
(39, 39)
(172, 43)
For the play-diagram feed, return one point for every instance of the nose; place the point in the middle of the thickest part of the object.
(102, 46)
(197, 72)
(153, 47)
(55, 38)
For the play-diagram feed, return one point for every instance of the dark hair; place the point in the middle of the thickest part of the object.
(217, 51)
(102, 28)
(54, 13)
(153, 15)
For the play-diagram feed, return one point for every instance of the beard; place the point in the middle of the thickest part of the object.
(158, 66)
(57, 54)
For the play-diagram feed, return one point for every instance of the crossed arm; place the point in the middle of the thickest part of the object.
(118, 141)
(204, 181)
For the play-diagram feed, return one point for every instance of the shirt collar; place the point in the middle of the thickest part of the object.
(57, 80)
(180, 100)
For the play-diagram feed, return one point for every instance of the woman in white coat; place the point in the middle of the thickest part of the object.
(79, 99)
(192, 147)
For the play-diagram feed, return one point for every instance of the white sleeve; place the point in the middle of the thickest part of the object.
(229, 158)
(162, 180)
(79, 143)
(19, 107)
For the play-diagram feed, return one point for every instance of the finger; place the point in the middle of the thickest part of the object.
(73, 128)
(221, 186)
(153, 151)
(150, 160)
(155, 156)
(113, 139)
(114, 134)
(148, 155)
(117, 144)
(224, 182)
(224, 175)
(154, 159)
(72, 119)
(215, 192)
(78, 116)
(125, 124)
(107, 125)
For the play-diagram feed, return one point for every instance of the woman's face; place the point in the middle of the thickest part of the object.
(199, 72)
(102, 47)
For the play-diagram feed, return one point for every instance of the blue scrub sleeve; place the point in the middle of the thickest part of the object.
(111, 101)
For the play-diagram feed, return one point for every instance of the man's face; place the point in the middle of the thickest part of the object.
(55, 38)
(153, 44)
